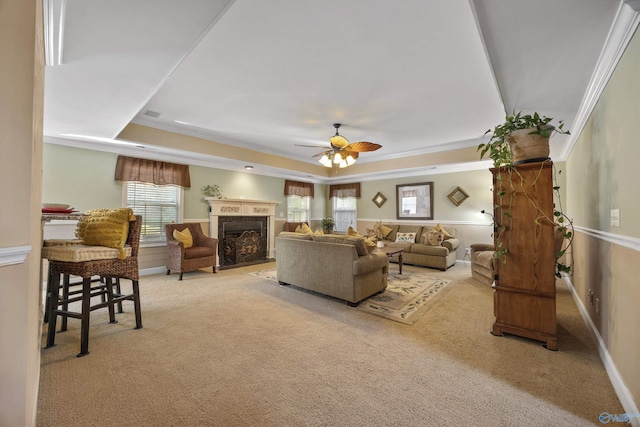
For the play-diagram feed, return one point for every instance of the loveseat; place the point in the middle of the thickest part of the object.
(335, 265)
(439, 253)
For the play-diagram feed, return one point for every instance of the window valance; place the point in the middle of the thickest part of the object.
(295, 188)
(152, 171)
(345, 190)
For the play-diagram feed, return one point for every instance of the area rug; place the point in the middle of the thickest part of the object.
(405, 300)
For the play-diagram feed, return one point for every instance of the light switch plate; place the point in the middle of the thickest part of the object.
(615, 217)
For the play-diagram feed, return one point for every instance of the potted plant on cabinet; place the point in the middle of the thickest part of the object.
(524, 139)
(328, 225)
(521, 139)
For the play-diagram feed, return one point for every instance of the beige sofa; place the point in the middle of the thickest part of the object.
(420, 253)
(338, 266)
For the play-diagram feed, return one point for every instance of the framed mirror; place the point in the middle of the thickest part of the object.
(414, 201)
(457, 196)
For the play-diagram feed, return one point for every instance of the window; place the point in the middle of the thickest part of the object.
(298, 209)
(158, 205)
(344, 212)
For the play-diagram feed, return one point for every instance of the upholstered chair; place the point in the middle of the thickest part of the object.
(482, 263)
(182, 257)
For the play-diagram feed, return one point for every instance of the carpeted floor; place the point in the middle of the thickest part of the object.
(233, 349)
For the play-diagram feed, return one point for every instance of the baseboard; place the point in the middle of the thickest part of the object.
(625, 396)
(153, 270)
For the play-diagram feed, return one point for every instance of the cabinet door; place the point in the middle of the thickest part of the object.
(523, 212)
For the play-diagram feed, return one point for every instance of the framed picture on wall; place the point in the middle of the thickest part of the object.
(414, 201)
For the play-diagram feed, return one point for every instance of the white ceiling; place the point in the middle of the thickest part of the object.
(415, 76)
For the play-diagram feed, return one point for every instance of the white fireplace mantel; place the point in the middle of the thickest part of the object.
(243, 207)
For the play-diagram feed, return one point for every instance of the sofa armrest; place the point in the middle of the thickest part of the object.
(451, 244)
(368, 263)
(478, 247)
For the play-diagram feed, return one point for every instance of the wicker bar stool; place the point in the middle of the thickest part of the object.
(108, 269)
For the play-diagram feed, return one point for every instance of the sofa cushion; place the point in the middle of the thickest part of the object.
(429, 250)
(81, 253)
(405, 246)
(183, 237)
(198, 252)
(358, 242)
(405, 237)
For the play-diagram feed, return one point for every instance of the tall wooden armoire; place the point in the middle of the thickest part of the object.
(525, 286)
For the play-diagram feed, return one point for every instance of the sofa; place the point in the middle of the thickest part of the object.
(440, 254)
(339, 266)
(483, 263)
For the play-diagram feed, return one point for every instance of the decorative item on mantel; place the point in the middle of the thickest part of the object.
(212, 191)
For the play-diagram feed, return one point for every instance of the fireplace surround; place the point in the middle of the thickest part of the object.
(244, 229)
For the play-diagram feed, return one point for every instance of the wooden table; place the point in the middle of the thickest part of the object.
(391, 251)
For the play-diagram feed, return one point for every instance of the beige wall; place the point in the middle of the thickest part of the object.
(21, 105)
(602, 175)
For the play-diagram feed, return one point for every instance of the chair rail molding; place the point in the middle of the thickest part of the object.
(14, 255)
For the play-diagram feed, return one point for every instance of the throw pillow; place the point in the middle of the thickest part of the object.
(318, 232)
(433, 237)
(447, 235)
(303, 228)
(109, 228)
(371, 243)
(183, 237)
(82, 224)
(406, 237)
(352, 232)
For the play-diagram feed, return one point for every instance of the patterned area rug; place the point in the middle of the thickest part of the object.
(406, 298)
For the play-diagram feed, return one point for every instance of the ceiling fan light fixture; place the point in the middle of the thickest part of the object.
(325, 161)
(350, 160)
(337, 158)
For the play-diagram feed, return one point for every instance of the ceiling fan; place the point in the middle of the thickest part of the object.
(341, 152)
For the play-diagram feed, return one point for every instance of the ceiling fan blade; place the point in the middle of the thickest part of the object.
(312, 146)
(362, 146)
(323, 153)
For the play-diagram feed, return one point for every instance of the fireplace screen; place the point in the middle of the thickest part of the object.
(244, 240)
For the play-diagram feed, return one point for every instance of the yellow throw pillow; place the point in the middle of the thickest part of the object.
(183, 237)
(352, 232)
(304, 228)
(82, 224)
(318, 232)
(383, 229)
(439, 227)
(109, 228)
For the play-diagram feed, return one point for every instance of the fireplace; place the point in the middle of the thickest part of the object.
(242, 241)
(244, 229)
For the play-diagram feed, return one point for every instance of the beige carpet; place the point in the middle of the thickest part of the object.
(407, 296)
(236, 350)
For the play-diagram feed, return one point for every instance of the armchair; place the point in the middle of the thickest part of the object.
(483, 263)
(202, 254)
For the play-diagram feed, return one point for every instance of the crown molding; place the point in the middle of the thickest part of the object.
(622, 30)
